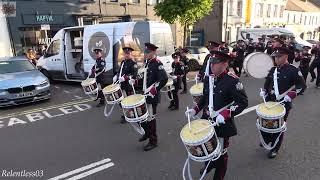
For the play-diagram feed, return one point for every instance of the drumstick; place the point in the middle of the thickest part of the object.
(264, 98)
(189, 123)
(134, 91)
(285, 93)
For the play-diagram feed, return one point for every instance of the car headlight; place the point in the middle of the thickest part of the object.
(3, 92)
(44, 84)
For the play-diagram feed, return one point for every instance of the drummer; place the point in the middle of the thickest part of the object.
(213, 46)
(227, 89)
(98, 71)
(288, 76)
(127, 74)
(177, 73)
(155, 78)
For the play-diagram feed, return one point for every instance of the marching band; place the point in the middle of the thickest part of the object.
(218, 93)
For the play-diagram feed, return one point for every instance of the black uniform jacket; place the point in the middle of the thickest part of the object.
(129, 69)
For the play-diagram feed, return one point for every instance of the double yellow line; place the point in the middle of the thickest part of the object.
(46, 108)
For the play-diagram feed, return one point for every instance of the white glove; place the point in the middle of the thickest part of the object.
(115, 78)
(262, 93)
(220, 119)
(287, 99)
(190, 112)
(132, 82)
(121, 79)
(174, 77)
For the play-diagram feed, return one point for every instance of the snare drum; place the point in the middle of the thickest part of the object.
(113, 94)
(169, 86)
(90, 86)
(271, 120)
(135, 108)
(196, 92)
(201, 145)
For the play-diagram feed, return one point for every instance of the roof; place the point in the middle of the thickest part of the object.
(15, 58)
(299, 5)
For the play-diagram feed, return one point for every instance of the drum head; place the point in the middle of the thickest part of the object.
(196, 89)
(88, 82)
(274, 112)
(132, 100)
(258, 64)
(111, 88)
(192, 135)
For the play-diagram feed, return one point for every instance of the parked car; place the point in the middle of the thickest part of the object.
(21, 82)
(196, 57)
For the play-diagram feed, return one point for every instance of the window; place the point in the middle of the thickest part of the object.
(259, 10)
(275, 12)
(305, 20)
(13, 66)
(309, 20)
(301, 19)
(281, 11)
(135, 1)
(154, 2)
(288, 18)
(294, 19)
(112, 0)
(239, 8)
(269, 10)
(53, 49)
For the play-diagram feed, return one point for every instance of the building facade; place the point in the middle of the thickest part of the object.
(37, 21)
(303, 18)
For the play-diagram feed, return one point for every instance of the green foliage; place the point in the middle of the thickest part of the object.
(185, 11)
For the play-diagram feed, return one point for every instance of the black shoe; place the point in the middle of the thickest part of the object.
(260, 144)
(101, 103)
(171, 105)
(143, 138)
(149, 146)
(123, 120)
(312, 79)
(272, 154)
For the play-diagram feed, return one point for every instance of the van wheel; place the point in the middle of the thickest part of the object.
(46, 73)
(194, 65)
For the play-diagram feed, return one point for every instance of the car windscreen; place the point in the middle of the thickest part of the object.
(193, 50)
(15, 66)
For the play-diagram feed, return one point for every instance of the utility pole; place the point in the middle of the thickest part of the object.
(226, 27)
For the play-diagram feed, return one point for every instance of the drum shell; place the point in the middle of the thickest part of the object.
(90, 88)
(272, 123)
(113, 96)
(137, 112)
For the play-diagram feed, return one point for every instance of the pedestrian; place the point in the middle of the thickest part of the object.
(287, 76)
(260, 46)
(32, 56)
(304, 58)
(239, 51)
(227, 89)
(127, 74)
(315, 65)
(155, 78)
(212, 46)
(97, 71)
(185, 61)
(250, 47)
(177, 75)
(224, 48)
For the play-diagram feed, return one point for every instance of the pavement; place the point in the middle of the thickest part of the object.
(67, 137)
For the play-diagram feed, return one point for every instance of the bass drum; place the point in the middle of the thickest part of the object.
(258, 64)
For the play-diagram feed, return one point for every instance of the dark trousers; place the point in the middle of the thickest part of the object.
(100, 93)
(173, 95)
(268, 137)
(184, 82)
(150, 127)
(315, 64)
(220, 164)
(305, 72)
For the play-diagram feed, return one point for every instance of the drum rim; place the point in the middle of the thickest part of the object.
(142, 101)
(85, 81)
(117, 87)
(139, 119)
(201, 141)
(270, 117)
(267, 130)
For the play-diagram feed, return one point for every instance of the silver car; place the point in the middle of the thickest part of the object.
(21, 82)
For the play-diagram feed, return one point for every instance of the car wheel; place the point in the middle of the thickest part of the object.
(194, 65)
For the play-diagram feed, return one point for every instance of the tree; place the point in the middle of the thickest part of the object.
(187, 12)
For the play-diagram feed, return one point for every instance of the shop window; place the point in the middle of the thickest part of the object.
(53, 49)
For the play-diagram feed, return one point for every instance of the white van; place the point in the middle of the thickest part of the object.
(256, 33)
(70, 55)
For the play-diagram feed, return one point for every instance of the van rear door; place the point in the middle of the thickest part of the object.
(98, 36)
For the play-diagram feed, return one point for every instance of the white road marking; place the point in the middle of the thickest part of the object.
(247, 110)
(84, 168)
(68, 92)
(46, 108)
(77, 97)
(57, 87)
(92, 171)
